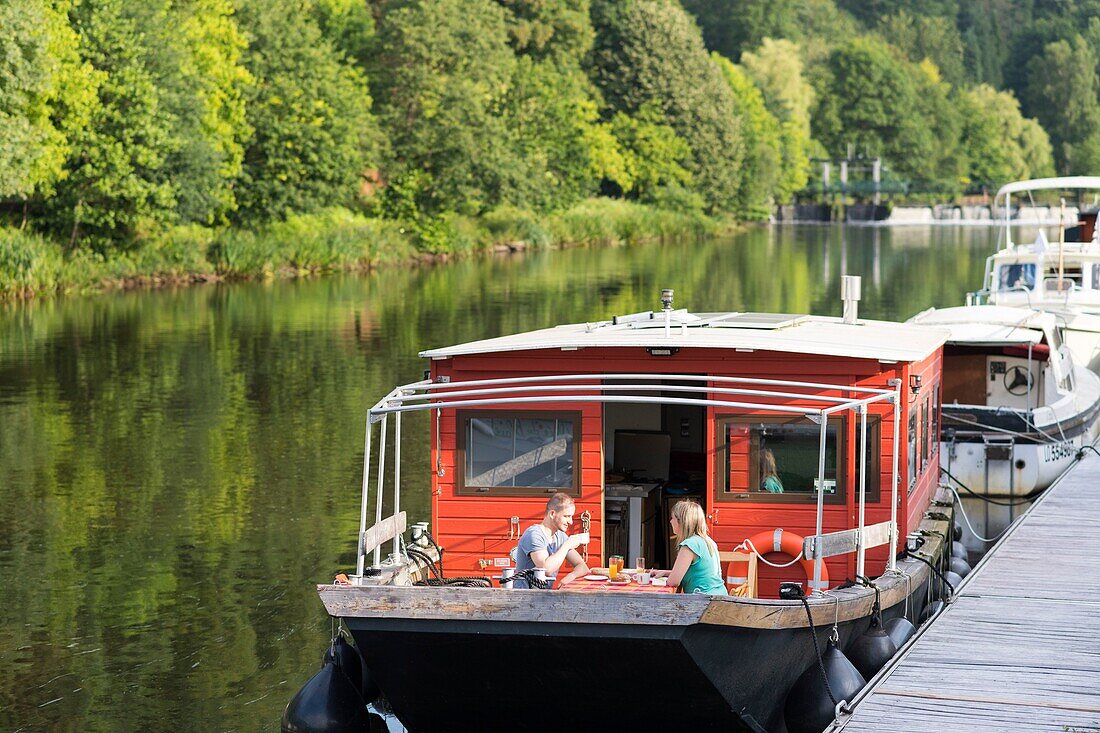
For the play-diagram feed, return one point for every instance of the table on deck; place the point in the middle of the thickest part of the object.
(586, 586)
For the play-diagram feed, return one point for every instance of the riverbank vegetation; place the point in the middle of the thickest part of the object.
(151, 140)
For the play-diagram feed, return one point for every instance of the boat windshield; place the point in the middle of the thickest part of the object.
(1015, 276)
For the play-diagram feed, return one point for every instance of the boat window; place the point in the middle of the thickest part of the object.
(1055, 338)
(873, 460)
(912, 462)
(518, 453)
(1020, 275)
(937, 417)
(926, 434)
(1067, 278)
(1096, 277)
(775, 459)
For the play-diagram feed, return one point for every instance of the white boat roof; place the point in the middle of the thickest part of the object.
(989, 324)
(782, 332)
(1046, 184)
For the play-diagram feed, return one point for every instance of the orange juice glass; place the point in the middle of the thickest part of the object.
(614, 565)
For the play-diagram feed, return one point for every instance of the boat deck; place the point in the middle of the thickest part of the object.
(1018, 649)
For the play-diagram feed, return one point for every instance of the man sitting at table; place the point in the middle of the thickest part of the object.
(546, 545)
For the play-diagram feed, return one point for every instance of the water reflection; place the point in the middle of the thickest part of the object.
(177, 468)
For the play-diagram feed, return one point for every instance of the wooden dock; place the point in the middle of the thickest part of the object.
(1019, 649)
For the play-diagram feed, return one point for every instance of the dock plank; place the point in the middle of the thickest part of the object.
(1018, 649)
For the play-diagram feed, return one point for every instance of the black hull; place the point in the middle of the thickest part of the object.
(521, 676)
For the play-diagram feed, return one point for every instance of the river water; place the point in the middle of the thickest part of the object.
(179, 467)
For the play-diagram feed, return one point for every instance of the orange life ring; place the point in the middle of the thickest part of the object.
(775, 540)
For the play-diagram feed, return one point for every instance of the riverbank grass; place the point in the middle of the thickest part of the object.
(335, 239)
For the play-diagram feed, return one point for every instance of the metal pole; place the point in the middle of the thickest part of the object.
(360, 555)
(381, 475)
(396, 476)
(820, 504)
(860, 550)
(893, 564)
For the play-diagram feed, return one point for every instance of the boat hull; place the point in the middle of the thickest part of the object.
(997, 469)
(520, 676)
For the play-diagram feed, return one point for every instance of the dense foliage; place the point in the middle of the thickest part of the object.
(925, 84)
(125, 120)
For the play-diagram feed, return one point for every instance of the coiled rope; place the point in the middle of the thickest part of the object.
(528, 575)
(471, 581)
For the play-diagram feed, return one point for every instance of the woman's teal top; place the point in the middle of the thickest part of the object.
(773, 485)
(705, 573)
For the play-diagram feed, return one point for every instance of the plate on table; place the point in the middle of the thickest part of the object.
(595, 577)
(620, 581)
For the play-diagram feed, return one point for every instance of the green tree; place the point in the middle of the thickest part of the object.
(732, 28)
(562, 150)
(943, 163)
(932, 37)
(348, 25)
(651, 51)
(1062, 94)
(114, 182)
(1026, 45)
(869, 12)
(1001, 146)
(762, 165)
(987, 28)
(885, 106)
(1037, 151)
(776, 68)
(314, 134)
(45, 94)
(657, 159)
(558, 29)
(440, 78)
(203, 82)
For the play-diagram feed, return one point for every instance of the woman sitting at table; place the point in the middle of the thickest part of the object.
(697, 568)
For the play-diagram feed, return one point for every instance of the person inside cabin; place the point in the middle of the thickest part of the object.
(546, 545)
(697, 568)
(769, 475)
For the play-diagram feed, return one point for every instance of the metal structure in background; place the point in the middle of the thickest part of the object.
(426, 395)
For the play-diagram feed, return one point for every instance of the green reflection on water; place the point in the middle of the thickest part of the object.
(177, 468)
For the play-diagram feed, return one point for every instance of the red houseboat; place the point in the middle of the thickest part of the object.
(628, 416)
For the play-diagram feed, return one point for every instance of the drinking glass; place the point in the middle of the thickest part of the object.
(614, 565)
(639, 563)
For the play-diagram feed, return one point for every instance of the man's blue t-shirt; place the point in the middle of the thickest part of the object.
(535, 539)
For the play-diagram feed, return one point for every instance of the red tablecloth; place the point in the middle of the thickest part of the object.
(585, 586)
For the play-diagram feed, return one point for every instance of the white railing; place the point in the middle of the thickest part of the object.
(635, 389)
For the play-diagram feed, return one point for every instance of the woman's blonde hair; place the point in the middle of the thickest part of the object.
(692, 522)
(767, 464)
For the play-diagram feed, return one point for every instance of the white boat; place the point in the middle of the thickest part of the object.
(1058, 270)
(1017, 407)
